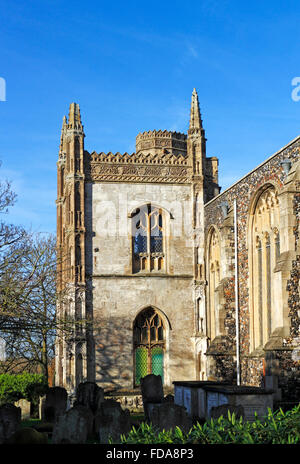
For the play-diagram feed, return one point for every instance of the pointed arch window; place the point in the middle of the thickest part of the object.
(268, 283)
(149, 344)
(213, 282)
(148, 239)
(259, 288)
(265, 253)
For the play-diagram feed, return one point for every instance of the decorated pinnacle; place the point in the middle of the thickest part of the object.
(195, 119)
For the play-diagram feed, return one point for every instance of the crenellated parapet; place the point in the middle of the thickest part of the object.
(138, 158)
(137, 167)
(161, 142)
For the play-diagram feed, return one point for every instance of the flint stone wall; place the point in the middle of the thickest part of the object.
(252, 366)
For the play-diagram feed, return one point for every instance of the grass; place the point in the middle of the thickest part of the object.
(30, 423)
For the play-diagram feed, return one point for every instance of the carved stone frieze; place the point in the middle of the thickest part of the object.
(138, 173)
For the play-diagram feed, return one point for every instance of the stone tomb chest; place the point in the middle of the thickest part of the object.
(199, 397)
(191, 395)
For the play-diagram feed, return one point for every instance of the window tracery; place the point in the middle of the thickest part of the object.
(213, 282)
(265, 254)
(149, 344)
(148, 232)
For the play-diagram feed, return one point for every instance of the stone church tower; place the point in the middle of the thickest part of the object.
(130, 240)
(160, 272)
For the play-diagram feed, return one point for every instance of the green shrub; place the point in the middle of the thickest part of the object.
(276, 428)
(16, 386)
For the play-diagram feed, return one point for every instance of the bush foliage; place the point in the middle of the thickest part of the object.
(276, 428)
(28, 386)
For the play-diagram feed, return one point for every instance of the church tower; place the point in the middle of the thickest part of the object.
(130, 238)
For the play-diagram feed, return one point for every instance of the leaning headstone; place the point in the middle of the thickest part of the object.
(168, 415)
(152, 392)
(25, 408)
(223, 410)
(89, 394)
(74, 426)
(28, 436)
(55, 403)
(111, 421)
(10, 420)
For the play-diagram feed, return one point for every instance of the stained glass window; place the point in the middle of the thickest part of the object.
(141, 356)
(148, 344)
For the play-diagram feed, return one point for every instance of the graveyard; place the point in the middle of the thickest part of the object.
(198, 413)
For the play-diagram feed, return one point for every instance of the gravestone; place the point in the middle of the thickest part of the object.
(25, 408)
(10, 420)
(111, 420)
(223, 409)
(28, 436)
(169, 415)
(55, 403)
(89, 394)
(152, 392)
(74, 426)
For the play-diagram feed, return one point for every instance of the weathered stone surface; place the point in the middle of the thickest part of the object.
(25, 408)
(152, 389)
(111, 420)
(89, 394)
(169, 415)
(134, 403)
(28, 436)
(223, 409)
(74, 426)
(10, 420)
(55, 403)
(152, 392)
(41, 407)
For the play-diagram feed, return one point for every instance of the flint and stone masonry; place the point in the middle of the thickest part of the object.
(146, 264)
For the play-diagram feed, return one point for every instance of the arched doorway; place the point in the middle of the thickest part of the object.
(149, 345)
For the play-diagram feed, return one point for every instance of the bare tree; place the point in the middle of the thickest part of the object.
(27, 291)
(32, 323)
(30, 332)
(12, 241)
(29, 322)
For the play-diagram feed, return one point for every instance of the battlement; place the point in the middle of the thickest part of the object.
(138, 158)
(160, 133)
(160, 142)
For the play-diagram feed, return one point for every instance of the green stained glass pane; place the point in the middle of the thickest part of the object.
(140, 364)
(157, 361)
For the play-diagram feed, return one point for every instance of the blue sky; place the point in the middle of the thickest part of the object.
(132, 67)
